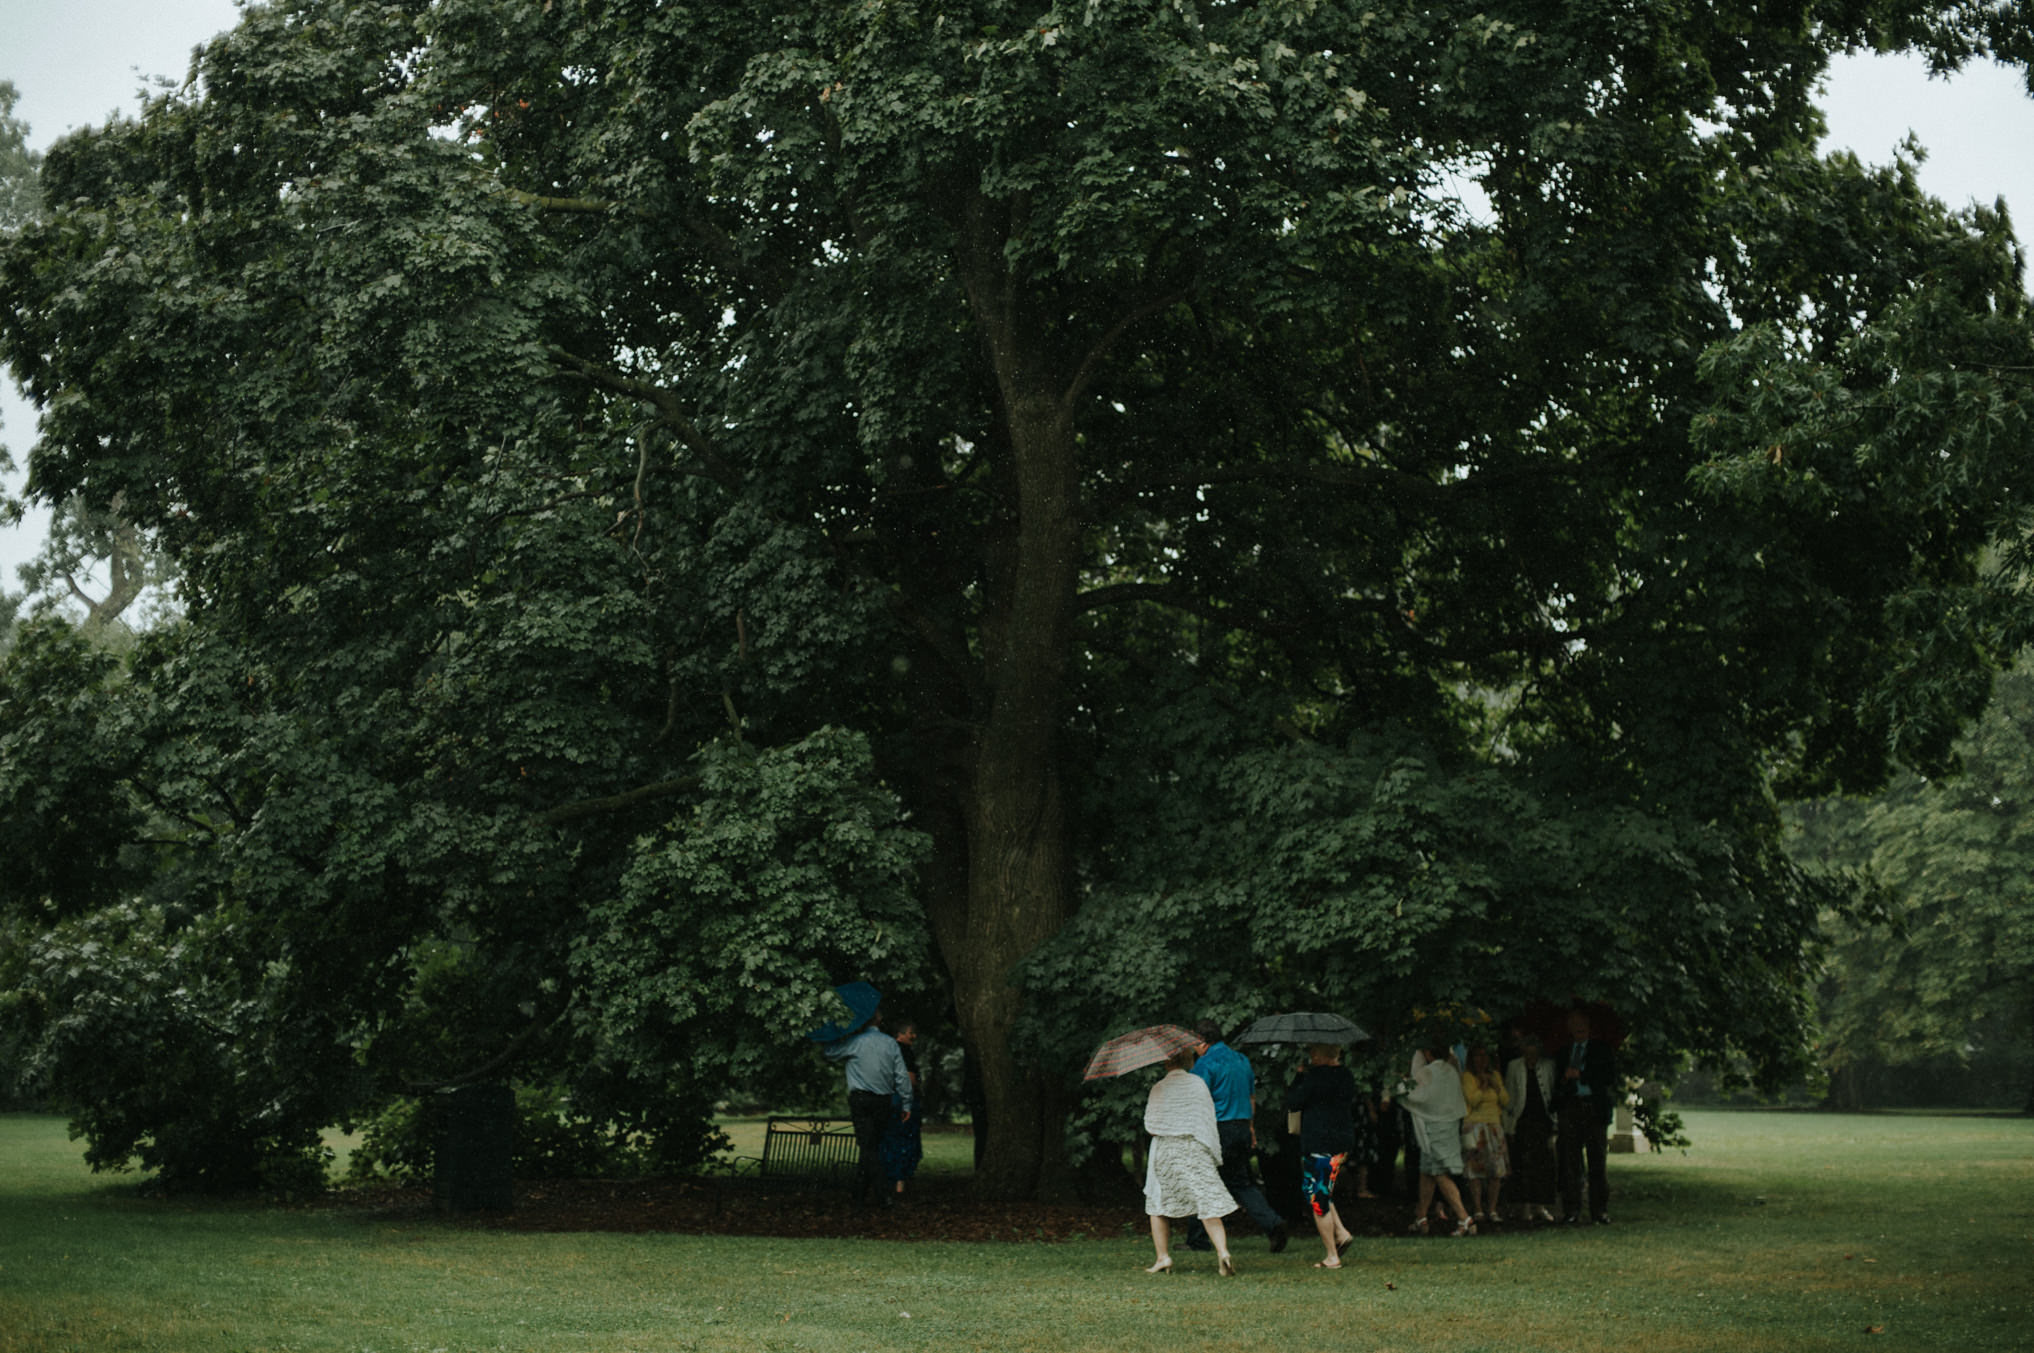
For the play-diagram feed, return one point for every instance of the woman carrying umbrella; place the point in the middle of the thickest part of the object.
(1324, 1097)
(1181, 1178)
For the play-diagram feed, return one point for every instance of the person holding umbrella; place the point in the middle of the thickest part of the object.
(1585, 1097)
(875, 1071)
(1324, 1096)
(1182, 1177)
(1182, 1170)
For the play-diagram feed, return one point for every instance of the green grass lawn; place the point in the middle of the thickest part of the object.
(1776, 1232)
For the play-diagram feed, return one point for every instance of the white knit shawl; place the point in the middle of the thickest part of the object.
(1180, 1106)
(1437, 1092)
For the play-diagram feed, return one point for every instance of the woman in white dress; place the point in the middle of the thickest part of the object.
(1181, 1178)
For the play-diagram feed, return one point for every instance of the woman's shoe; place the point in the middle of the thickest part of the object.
(1162, 1266)
(1227, 1268)
(1465, 1227)
(1419, 1226)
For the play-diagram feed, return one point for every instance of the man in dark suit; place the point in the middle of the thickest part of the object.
(1585, 1098)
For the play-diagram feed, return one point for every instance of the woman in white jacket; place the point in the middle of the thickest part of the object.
(1181, 1178)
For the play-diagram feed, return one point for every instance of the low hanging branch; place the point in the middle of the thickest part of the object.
(488, 1068)
(614, 803)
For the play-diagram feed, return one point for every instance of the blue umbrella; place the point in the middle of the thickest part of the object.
(861, 999)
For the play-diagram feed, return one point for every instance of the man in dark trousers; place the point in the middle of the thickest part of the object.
(1233, 1085)
(1585, 1098)
(875, 1071)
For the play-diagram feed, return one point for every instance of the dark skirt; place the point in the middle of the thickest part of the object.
(1532, 1160)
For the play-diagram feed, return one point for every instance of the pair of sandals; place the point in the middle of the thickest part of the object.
(1464, 1227)
(1226, 1267)
(1341, 1248)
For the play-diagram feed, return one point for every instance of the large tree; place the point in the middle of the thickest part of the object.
(1236, 537)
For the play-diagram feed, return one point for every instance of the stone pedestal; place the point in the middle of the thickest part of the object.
(1625, 1138)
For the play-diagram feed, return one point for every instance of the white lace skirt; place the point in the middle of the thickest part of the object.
(1181, 1180)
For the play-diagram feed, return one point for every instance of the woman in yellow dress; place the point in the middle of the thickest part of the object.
(1485, 1162)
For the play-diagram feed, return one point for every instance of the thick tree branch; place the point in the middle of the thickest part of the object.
(1084, 375)
(1179, 599)
(614, 803)
(591, 206)
(716, 244)
(162, 805)
(670, 411)
(1286, 473)
(495, 1063)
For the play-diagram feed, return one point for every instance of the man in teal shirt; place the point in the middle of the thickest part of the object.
(1233, 1085)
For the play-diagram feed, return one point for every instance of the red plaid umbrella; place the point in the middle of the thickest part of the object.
(1139, 1047)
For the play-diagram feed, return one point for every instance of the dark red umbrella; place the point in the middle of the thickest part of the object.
(1549, 1021)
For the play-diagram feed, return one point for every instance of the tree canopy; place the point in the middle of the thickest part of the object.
(1109, 511)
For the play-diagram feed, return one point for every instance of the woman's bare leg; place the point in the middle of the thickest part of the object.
(1161, 1241)
(1324, 1226)
(1450, 1196)
(1220, 1236)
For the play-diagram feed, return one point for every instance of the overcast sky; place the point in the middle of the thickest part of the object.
(75, 62)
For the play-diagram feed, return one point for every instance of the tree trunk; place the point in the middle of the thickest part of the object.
(1013, 809)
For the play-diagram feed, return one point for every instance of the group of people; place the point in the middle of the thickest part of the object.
(1542, 1121)
(1538, 1128)
(1202, 1119)
(1541, 1125)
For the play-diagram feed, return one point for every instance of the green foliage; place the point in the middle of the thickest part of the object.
(1940, 961)
(172, 1049)
(721, 945)
(556, 1137)
(1378, 880)
(1663, 1128)
(62, 746)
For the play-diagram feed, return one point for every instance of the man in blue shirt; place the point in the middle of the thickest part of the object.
(875, 1071)
(1233, 1085)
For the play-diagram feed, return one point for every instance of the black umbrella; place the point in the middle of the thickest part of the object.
(1302, 1026)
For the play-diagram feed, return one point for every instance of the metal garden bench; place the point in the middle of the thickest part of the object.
(817, 1152)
